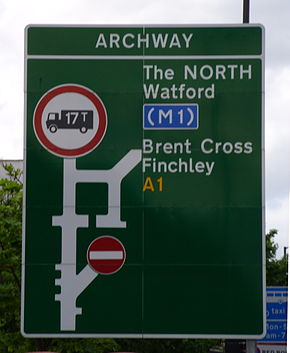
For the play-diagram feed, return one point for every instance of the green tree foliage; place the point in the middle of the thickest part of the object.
(168, 345)
(10, 255)
(276, 269)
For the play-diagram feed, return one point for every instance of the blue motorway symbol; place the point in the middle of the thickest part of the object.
(170, 116)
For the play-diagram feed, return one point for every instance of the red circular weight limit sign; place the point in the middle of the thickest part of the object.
(106, 255)
(39, 118)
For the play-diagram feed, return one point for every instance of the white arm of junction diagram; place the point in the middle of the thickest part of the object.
(71, 283)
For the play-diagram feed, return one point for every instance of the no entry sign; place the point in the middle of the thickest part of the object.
(144, 159)
(106, 255)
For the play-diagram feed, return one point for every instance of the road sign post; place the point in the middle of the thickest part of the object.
(144, 182)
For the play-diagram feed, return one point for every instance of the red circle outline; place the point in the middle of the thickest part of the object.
(63, 152)
(122, 247)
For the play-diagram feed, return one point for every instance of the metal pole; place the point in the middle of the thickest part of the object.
(246, 11)
(250, 346)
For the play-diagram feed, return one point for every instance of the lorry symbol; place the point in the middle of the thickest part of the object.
(70, 119)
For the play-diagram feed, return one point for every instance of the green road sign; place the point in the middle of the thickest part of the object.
(144, 197)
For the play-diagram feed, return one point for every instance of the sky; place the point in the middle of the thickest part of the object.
(274, 15)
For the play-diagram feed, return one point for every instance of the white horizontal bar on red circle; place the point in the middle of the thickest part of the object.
(106, 255)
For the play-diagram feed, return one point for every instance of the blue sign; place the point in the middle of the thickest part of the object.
(276, 331)
(277, 298)
(170, 116)
(277, 311)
